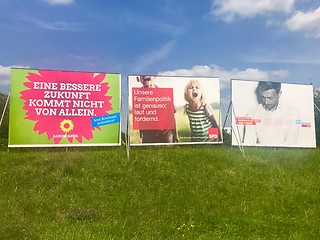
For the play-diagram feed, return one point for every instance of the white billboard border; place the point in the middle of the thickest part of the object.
(171, 144)
(231, 106)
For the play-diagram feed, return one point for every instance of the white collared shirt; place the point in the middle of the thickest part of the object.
(272, 128)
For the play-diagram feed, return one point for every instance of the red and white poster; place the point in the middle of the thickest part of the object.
(174, 110)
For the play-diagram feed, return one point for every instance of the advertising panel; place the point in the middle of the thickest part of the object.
(174, 110)
(272, 114)
(64, 108)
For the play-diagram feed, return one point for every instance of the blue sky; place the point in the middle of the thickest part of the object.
(276, 40)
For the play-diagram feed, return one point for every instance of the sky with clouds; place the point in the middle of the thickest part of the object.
(277, 40)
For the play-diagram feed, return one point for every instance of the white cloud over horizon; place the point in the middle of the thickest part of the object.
(198, 70)
(307, 22)
(226, 75)
(5, 73)
(228, 10)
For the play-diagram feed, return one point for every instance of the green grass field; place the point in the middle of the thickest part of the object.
(180, 192)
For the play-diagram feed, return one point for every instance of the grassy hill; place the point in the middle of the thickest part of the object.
(181, 192)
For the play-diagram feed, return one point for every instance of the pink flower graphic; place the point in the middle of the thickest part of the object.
(61, 103)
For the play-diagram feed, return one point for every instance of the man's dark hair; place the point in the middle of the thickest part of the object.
(264, 86)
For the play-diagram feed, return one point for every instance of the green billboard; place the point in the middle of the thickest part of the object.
(64, 108)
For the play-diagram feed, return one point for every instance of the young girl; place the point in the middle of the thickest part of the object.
(200, 114)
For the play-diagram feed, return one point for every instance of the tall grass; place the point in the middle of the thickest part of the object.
(180, 192)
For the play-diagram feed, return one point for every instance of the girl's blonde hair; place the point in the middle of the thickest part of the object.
(194, 82)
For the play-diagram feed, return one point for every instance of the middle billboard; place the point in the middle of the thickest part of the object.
(174, 110)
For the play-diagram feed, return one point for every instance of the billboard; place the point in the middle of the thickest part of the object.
(64, 108)
(173, 110)
(272, 114)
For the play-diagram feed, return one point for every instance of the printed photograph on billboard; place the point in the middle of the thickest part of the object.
(174, 110)
(272, 114)
(64, 108)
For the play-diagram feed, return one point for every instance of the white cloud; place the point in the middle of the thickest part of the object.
(59, 2)
(308, 22)
(226, 75)
(279, 74)
(5, 73)
(229, 9)
(152, 57)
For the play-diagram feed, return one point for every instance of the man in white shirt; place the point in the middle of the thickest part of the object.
(273, 122)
